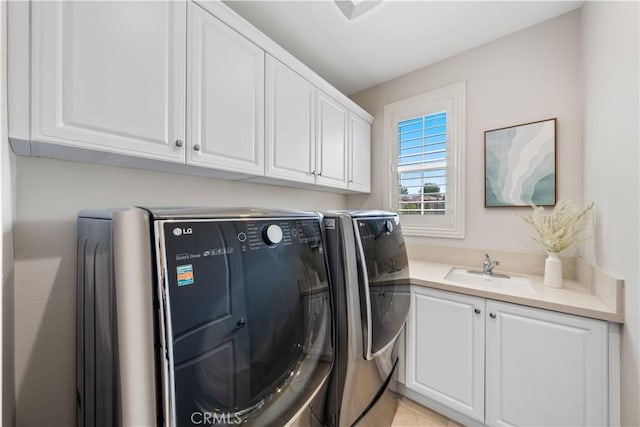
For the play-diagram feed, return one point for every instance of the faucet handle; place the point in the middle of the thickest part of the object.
(488, 265)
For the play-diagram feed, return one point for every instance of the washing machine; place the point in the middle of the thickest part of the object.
(202, 317)
(370, 276)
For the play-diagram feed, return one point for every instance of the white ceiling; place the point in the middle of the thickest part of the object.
(393, 38)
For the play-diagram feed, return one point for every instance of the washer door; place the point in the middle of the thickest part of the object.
(249, 319)
(383, 276)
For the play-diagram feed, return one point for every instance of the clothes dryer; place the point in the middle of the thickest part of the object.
(370, 276)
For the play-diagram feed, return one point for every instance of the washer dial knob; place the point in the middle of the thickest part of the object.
(272, 235)
(388, 226)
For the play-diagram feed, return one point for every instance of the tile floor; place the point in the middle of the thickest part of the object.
(411, 414)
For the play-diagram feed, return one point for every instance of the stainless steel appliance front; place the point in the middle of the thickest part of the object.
(370, 283)
(229, 320)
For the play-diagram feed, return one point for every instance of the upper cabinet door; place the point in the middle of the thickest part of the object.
(225, 87)
(290, 135)
(359, 154)
(109, 76)
(331, 139)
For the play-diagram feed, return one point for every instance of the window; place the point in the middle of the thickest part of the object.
(422, 165)
(424, 140)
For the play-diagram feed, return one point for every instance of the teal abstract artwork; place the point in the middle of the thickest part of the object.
(520, 165)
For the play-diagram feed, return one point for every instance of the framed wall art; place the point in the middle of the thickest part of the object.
(520, 165)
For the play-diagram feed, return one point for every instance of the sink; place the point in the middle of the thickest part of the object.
(497, 281)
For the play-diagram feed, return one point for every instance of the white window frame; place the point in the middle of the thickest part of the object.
(452, 100)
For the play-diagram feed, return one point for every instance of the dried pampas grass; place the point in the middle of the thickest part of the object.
(563, 228)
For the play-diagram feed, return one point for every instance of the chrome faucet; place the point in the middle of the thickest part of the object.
(488, 265)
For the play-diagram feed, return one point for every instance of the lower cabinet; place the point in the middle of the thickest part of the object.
(505, 364)
(545, 368)
(445, 350)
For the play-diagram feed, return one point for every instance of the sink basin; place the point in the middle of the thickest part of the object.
(497, 282)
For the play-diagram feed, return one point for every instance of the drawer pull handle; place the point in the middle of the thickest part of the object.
(477, 311)
(492, 315)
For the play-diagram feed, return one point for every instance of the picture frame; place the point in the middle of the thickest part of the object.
(520, 165)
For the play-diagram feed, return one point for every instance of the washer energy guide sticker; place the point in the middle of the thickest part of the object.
(185, 274)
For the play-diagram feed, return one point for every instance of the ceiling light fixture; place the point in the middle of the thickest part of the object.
(354, 8)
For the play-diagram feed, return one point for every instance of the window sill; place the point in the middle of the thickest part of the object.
(429, 231)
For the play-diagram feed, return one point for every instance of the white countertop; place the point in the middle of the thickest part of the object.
(572, 299)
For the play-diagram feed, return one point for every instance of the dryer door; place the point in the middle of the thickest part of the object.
(248, 316)
(383, 276)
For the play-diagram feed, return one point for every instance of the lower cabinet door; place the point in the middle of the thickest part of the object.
(545, 368)
(445, 349)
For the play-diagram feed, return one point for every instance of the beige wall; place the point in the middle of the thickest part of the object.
(534, 74)
(531, 75)
(49, 195)
(7, 387)
(610, 50)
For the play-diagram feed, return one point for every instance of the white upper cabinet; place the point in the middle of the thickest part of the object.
(359, 154)
(225, 88)
(142, 83)
(445, 349)
(545, 368)
(109, 76)
(290, 124)
(331, 141)
(312, 138)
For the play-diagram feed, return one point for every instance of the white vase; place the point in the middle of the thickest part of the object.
(553, 270)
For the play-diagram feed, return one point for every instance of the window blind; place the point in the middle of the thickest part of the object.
(422, 165)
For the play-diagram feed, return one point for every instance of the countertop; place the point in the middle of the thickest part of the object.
(574, 298)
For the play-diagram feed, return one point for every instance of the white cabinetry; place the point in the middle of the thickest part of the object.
(225, 88)
(541, 368)
(545, 368)
(290, 124)
(312, 138)
(331, 137)
(140, 84)
(109, 76)
(359, 154)
(445, 349)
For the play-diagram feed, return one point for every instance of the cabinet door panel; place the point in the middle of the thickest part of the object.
(290, 124)
(445, 349)
(359, 154)
(226, 96)
(110, 76)
(545, 368)
(331, 128)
